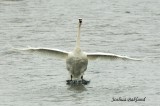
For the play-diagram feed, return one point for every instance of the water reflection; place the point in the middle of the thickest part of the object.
(77, 88)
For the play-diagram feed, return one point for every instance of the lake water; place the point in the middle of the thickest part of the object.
(124, 27)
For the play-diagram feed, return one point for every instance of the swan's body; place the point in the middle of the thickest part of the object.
(77, 61)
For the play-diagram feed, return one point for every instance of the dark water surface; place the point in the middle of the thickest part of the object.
(124, 27)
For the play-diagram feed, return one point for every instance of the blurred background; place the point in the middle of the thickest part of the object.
(123, 27)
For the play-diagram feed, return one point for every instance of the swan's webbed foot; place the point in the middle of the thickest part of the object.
(85, 82)
(76, 82)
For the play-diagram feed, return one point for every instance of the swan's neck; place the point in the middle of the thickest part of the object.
(78, 36)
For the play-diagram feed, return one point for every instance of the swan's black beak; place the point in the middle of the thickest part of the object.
(80, 20)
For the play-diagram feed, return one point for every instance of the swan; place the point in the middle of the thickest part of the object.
(77, 60)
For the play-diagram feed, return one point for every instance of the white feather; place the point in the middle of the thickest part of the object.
(46, 51)
(108, 56)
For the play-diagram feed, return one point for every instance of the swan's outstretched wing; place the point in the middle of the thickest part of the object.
(47, 51)
(108, 56)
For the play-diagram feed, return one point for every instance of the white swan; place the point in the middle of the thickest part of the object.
(77, 60)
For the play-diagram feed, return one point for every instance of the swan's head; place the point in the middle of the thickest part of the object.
(80, 20)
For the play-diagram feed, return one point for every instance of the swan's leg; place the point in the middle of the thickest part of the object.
(84, 81)
(71, 77)
(82, 77)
